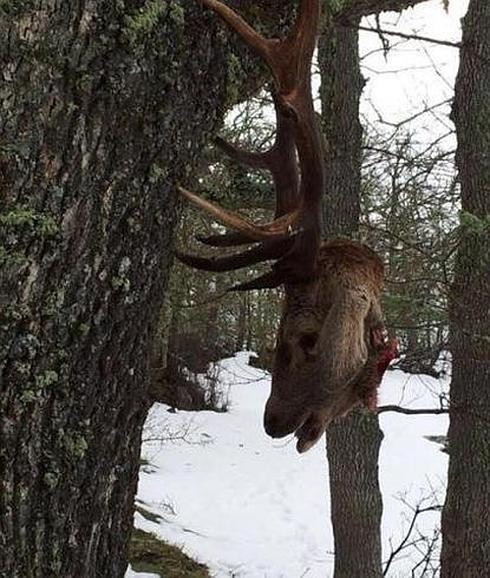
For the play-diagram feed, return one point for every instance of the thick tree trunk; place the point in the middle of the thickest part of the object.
(466, 515)
(104, 107)
(353, 443)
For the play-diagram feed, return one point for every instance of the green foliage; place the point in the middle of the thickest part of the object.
(234, 69)
(75, 445)
(177, 13)
(53, 302)
(28, 396)
(336, 5)
(121, 282)
(34, 388)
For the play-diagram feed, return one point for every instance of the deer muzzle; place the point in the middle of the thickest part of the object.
(281, 417)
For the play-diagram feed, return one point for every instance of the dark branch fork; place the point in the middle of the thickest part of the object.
(293, 238)
(330, 351)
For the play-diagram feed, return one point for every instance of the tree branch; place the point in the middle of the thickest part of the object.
(407, 36)
(408, 411)
(404, 544)
(358, 8)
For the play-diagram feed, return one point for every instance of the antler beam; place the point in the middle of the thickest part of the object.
(298, 189)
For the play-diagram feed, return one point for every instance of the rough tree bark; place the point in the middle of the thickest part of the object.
(352, 443)
(466, 514)
(104, 106)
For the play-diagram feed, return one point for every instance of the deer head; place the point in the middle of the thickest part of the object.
(325, 345)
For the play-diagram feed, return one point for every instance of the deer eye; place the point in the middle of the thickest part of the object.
(308, 341)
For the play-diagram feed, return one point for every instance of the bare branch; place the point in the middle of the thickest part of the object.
(358, 8)
(407, 36)
(408, 411)
(409, 541)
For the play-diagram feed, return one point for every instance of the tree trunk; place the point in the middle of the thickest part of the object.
(242, 322)
(104, 107)
(353, 447)
(466, 515)
(340, 91)
(353, 443)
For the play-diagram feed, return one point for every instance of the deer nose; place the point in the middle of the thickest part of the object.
(280, 419)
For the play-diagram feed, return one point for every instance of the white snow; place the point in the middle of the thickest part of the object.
(248, 506)
(130, 573)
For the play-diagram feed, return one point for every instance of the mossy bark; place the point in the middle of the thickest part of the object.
(104, 107)
(353, 442)
(466, 514)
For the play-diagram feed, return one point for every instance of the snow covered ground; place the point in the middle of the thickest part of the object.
(251, 507)
(132, 574)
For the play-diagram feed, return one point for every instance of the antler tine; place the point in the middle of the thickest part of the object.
(251, 159)
(281, 161)
(290, 63)
(269, 280)
(231, 239)
(255, 40)
(281, 227)
(227, 218)
(297, 130)
(300, 263)
(299, 44)
(258, 254)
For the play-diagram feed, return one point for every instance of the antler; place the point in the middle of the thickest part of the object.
(280, 160)
(293, 238)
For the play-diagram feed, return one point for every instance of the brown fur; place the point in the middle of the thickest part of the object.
(324, 343)
(325, 362)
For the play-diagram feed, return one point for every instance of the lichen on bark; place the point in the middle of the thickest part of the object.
(97, 127)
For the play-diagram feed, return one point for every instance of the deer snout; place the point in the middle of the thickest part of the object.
(312, 430)
(280, 418)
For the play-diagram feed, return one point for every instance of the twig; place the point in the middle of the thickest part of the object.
(407, 36)
(408, 411)
(417, 511)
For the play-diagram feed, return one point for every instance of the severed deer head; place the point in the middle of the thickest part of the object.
(331, 350)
